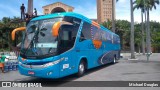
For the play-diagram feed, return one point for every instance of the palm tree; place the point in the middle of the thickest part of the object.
(139, 4)
(113, 15)
(132, 32)
(149, 5)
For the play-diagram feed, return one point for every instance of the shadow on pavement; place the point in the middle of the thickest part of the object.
(62, 81)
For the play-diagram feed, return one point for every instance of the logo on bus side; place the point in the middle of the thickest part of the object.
(97, 43)
(96, 35)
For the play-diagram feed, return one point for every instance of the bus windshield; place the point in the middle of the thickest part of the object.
(38, 40)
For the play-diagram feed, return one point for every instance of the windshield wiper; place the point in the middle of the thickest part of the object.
(31, 43)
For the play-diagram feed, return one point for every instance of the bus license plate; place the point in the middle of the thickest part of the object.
(31, 73)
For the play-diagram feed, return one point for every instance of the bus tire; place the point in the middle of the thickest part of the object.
(114, 60)
(81, 68)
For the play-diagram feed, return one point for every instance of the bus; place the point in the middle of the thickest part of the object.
(60, 44)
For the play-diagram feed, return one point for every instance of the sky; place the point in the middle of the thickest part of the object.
(88, 8)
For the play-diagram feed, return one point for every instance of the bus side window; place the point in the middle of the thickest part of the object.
(86, 32)
(104, 35)
(68, 33)
(96, 33)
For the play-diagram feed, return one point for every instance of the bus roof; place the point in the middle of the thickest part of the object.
(69, 14)
(62, 15)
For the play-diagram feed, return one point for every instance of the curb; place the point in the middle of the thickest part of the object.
(133, 59)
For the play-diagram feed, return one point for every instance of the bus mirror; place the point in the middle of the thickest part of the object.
(55, 29)
(15, 30)
(57, 25)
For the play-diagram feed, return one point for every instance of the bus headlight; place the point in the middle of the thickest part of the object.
(53, 63)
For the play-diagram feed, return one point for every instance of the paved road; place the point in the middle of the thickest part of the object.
(123, 70)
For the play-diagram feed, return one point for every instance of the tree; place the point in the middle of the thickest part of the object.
(132, 31)
(155, 34)
(138, 37)
(149, 5)
(122, 29)
(113, 15)
(146, 6)
(6, 27)
(139, 4)
(107, 24)
(5, 23)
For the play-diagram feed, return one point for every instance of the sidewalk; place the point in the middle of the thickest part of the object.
(141, 57)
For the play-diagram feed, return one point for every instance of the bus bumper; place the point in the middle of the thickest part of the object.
(47, 72)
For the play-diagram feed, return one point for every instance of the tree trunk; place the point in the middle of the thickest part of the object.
(113, 16)
(149, 33)
(145, 30)
(143, 43)
(139, 49)
(132, 32)
(148, 38)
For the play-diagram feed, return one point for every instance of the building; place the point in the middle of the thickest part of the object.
(104, 10)
(57, 7)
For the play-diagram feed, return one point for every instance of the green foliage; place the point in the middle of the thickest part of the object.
(6, 26)
(138, 35)
(145, 4)
(107, 24)
(155, 34)
(123, 30)
(139, 4)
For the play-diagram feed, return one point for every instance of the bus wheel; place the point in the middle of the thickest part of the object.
(81, 68)
(114, 60)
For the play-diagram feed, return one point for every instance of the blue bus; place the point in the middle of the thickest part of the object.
(61, 44)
